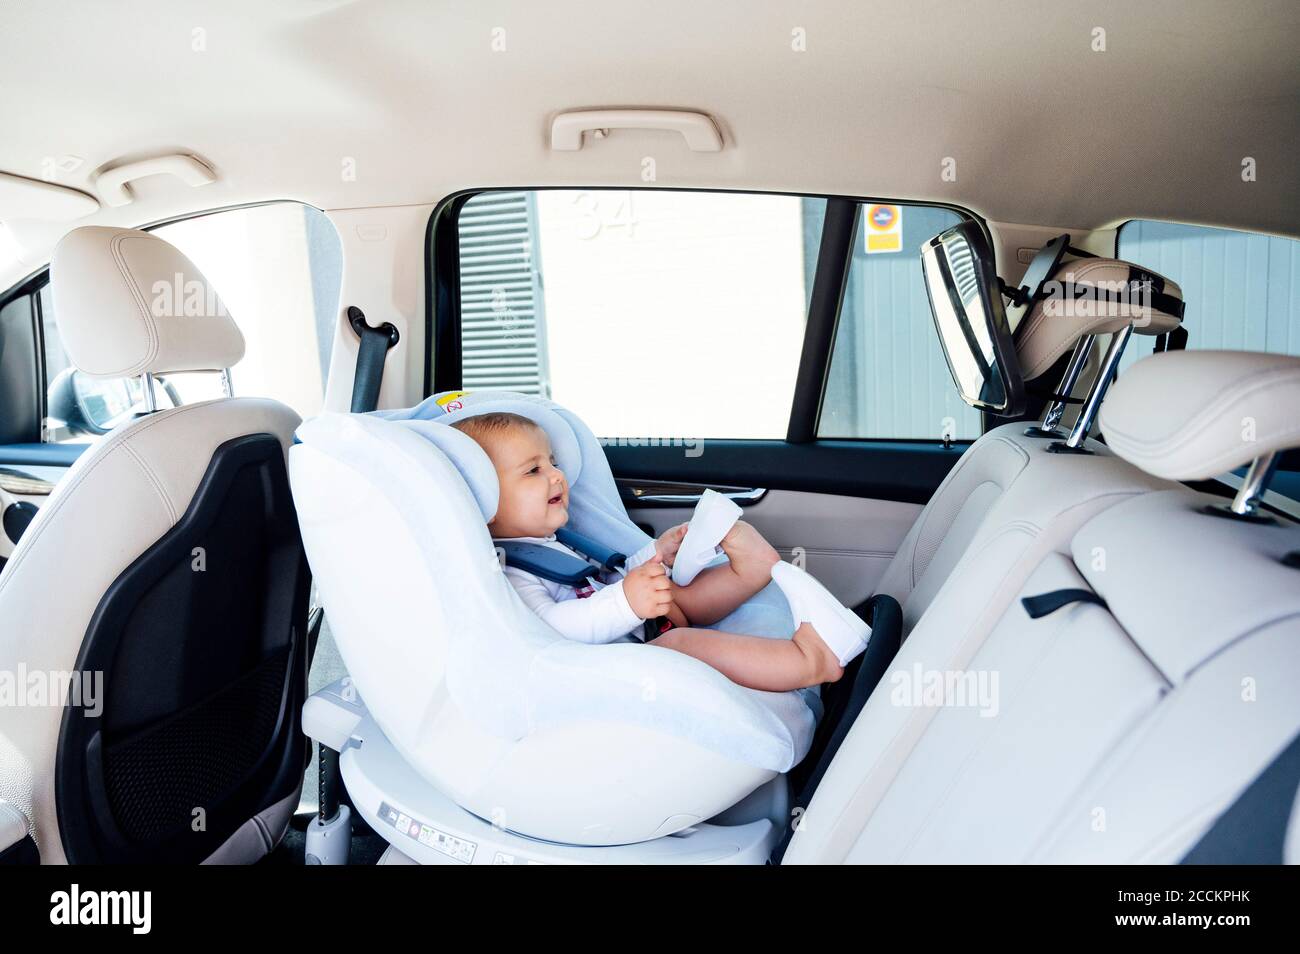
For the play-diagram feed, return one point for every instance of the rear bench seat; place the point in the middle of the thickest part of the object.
(992, 489)
(1114, 731)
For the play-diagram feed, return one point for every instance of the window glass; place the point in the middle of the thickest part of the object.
(648, 313)
(1242, 290)
(888, 377)
(277, 269)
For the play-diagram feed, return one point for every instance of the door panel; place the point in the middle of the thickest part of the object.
(905, 471)
(28, 474)
(846, 505)
(846, 542)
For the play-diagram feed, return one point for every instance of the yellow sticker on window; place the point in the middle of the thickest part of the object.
(884, 231)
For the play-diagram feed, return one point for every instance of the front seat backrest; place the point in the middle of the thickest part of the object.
(160, 594)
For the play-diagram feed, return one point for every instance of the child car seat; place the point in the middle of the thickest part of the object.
(546, 737)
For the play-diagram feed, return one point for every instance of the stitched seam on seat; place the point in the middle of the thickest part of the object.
(1239, 638)
(133, 288)
(154, 482)
(957, 513)
(926, 517)
(265, 832)
(897, 736)
(894, 740)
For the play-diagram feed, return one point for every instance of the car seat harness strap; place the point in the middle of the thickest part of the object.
(558, 567)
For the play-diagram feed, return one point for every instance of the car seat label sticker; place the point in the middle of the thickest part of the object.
(458, 849)
(451, 401)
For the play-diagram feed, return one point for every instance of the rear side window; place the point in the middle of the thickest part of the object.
(888, 377)
(1242, 290)
(665, 314)
(650, 313)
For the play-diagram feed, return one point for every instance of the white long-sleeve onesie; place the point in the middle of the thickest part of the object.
(596, 613)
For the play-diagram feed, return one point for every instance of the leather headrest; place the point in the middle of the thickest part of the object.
(1093, 296)
(128, 302)
(1192, 415)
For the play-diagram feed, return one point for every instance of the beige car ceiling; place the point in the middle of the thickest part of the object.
(1052, 115)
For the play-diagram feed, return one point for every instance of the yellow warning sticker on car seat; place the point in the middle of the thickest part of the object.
(451, 401)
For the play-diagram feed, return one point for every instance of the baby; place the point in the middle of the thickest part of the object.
(534, 504)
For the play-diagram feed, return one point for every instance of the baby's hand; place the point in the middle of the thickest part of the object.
(647, 589)
(669, 542)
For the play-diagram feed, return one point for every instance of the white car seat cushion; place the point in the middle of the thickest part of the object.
(129, 303)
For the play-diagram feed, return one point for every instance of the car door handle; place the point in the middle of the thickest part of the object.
(17, 482)
(657, 493)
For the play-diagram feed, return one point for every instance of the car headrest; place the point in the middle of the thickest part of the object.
(1094, 296)
(1193, 415)
(129, 303)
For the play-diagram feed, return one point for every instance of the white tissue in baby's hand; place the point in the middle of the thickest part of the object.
(714, 515)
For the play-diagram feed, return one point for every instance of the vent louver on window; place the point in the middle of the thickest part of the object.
(503, 324)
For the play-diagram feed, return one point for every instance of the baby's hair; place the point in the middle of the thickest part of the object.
(494, 422)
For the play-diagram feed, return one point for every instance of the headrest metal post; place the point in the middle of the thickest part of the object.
(1078, 359)
(1093, 401)
(150, 401)
(1246, 503)
(225, 383)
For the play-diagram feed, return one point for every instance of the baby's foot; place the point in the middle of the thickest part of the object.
(836, 625)
(750, 554)
(823, 666)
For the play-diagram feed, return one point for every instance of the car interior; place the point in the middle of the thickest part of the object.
(987, 320)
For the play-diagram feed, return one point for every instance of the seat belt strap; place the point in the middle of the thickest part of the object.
(1253, 829)
(1045, 603)
(550, 564)
(608, 558)
(546, 562)
(371, 351)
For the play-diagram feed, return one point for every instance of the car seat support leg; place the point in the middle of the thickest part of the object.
(329, 836)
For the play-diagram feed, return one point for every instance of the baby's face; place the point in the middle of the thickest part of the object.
(534, 494)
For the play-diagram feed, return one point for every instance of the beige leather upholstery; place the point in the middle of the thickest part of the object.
(120, 497)
(117, 500)
(941, 534)
(13, 825)
(890, 757)
(1223, 409)
(129, 302)
(1114, 733)
(1055, 323)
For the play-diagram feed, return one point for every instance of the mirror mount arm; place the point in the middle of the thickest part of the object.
(1017, 296)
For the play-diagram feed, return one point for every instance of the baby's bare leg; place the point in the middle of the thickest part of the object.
(720, 589)
(774, 665)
